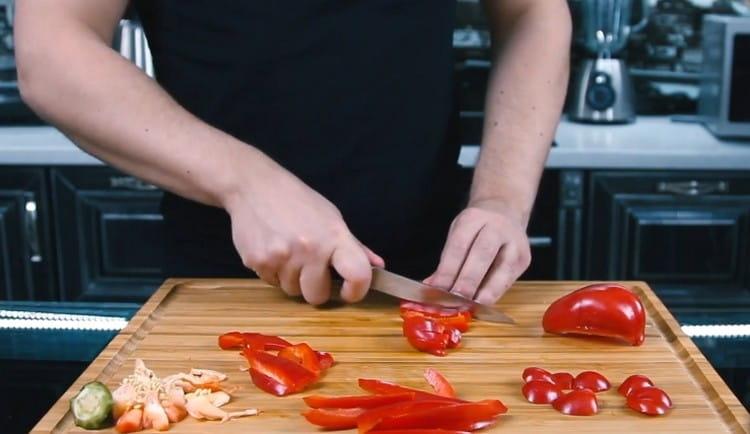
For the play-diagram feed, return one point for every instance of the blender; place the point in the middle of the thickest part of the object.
(602, 90)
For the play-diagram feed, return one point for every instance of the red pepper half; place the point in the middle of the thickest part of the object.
(340, 418)
(386, 388)
(649, 400)
(581, 402)
(439, 383)
(607, 310)
(468, 416)
(535, 374)
(277, 375)
(563, 379)
(632, 383)
(360, 401)
(427, 335)
(591, 380)
(541, 392)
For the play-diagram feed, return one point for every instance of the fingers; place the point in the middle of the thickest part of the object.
(460, 239)
(290, 280)
(374, 258)
(315, 282)
(511, 262)
(353, 265)
(478, 261)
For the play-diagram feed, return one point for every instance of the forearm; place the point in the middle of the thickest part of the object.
(115, 112)
(525, 94)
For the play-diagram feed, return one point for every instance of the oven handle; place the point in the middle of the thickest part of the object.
(32, 231)
(692, 188)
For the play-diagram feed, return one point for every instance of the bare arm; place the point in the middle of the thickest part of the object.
(487, 247)
(69, 74)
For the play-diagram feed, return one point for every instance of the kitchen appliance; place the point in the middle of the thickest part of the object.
(602, 90)
(724, 104)
(407, 289)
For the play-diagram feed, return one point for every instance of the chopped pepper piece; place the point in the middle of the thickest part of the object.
(384, 388)
(439, 383)
(277, 375)
(340, 418)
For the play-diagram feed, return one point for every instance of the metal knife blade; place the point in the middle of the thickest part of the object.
(407, 289)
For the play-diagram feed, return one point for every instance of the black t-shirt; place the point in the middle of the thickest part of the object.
(355, 97)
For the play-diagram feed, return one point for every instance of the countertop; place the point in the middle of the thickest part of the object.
(652, 142)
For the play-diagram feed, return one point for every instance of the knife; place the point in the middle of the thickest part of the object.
(407, 289)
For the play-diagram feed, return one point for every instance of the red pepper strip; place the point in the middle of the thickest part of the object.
(341, 418)
(325, 359)
(463, 417)
(419, 431)
(426, 335)
(303, 355)
(367, 420)
(231, 340)
(607, 310)
(439, 383)
(265, 342)
(386, 388)
(363, 401)
(284, 376)
(459, 320)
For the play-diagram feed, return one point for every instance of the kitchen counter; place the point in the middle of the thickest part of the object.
(653, 142)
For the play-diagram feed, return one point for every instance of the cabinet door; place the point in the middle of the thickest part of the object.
(25, 253)
(110, 235)
(670, 228)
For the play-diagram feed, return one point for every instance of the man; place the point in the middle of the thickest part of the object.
(296, 137)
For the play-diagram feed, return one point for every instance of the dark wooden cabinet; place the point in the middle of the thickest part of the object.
(109, 234)
(670, 228)
(26, 258)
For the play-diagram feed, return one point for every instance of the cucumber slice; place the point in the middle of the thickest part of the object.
(92, 406)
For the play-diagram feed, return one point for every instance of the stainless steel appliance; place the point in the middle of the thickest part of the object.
(724, 104)
(602, 90)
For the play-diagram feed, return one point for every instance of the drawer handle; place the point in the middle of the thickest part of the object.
(540, 241)
(32, 231)
(692, 188)
(131, 183)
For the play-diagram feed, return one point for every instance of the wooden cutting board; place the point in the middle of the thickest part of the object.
(177, 330)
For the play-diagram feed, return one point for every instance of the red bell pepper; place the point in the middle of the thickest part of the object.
(370, 418)
(581, 402)
(632, 383)
(303, 355)
(468, 416)
(277, 375)
(439, 383)
(340, 418)
(591, 380)
(360, 401)
(386, 388)
(605, 309)
(563, 379)
(649, 400)
(427, 335)
(541, 392)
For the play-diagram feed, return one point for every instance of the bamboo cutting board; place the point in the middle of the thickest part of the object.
(177, 330)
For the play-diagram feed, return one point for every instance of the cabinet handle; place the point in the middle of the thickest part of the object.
(32, 231)
(130, 183)
(540, 241)
(692, 188)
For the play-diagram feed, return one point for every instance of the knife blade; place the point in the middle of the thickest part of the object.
(404, 288)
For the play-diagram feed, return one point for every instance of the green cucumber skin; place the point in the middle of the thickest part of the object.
(101, 416)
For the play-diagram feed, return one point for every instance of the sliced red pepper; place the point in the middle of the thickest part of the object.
(372, 417)
(454, 338)
(536, 374)
(581, 402)
(277, 375)
(325, 359)
(541, 392)
(436, 311)
(591, 380)
(632, 383)
(458, 320)
(606, 310)
(649, 400)
(419, 431)
(341, 418)
(439, 383)
(231, 340)
(386, 388)
(258, 341)
(304, 355)
(360, 401)
(426, 335)
(463, 417)
(563, 379)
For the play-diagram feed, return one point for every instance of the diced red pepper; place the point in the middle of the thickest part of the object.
(541, 392)
(581, 402)
(439, 383)
(372, 417)
(325, 359)
(304, 355)
(563, 379)
(427, 335)
(360, 401)
(419, 431)
(334, 419)
(536, 374)
(606, 309)
(231, 340)
(468, 416)
(277, 375)
(632, 383)
(591, 380)
(385, 388)
(649, 400)
(454, 339)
